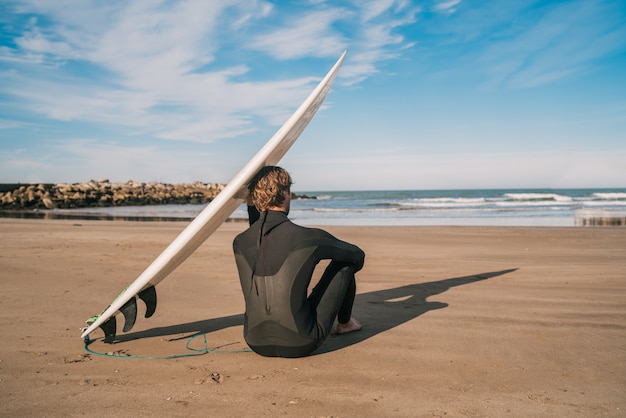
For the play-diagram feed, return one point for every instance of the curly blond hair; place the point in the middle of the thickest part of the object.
(268, 187)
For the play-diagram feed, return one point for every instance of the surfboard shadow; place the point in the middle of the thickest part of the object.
(198, 327)
(379, 311)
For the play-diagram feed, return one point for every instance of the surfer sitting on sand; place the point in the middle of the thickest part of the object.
(276, 259)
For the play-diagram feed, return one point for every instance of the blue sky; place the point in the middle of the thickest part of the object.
(432, 94)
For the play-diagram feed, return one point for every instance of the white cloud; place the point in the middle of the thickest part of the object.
(307, 35)
(11, 124)
(123, 63)
(372, 9)
(447, 6)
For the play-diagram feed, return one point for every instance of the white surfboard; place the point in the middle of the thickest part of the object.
(212, 216)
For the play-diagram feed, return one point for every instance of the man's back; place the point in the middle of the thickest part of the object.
(276, 260)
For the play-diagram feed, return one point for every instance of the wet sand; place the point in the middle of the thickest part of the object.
(458, 321)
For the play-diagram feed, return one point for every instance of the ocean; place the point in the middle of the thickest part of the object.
(514, 207)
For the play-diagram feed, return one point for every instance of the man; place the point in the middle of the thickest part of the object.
(276, 259)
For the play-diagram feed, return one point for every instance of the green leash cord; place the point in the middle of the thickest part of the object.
(196, 352)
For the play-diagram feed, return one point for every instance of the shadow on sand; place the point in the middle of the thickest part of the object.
(379, 311)
(383, 310)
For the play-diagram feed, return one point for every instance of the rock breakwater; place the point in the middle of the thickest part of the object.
(103, 193)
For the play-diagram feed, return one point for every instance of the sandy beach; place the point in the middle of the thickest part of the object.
(458, 322)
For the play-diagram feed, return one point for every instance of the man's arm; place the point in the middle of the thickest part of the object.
(343, 252)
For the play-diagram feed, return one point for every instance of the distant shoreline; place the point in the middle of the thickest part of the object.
(47, 214)
(162, 202)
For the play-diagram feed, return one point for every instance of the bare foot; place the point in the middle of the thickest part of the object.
(350, 326)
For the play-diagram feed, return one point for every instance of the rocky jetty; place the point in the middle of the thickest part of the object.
(104, 193)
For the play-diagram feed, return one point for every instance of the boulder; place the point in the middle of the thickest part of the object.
(105, 193)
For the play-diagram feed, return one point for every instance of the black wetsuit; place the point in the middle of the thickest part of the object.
(276, 259)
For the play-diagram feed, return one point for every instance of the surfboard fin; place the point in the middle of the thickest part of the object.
(129, 310)
(109, 327)
(148, 295)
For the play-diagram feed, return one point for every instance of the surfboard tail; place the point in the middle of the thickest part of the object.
(129, 312)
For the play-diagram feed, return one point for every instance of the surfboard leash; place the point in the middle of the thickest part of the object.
(195, 352)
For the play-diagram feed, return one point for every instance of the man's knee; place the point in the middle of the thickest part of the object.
(340, 268)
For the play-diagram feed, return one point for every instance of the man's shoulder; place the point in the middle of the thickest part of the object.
(312, 233)
(243, 236)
